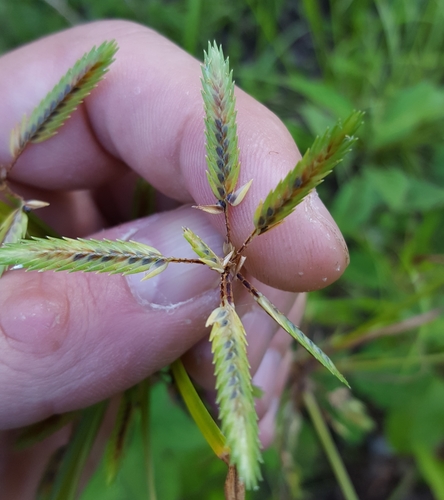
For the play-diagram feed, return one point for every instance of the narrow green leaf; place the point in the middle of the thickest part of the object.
(63, 99)
(198, 411)
(100, 256)
(37, 432)
(206, 255)
(144, 399)
(220, 123)
(327, 151)
(292, 329)
(235, 393)
(117, 440)
(74, 460)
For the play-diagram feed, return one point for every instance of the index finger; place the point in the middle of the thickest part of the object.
(148, 115)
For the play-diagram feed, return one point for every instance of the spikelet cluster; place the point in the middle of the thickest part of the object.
(100, 256)
(204, 252)
(235, 392)
(64, 98)
(326, 152)
(220, 123)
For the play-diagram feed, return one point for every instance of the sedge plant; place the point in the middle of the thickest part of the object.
(235, 392)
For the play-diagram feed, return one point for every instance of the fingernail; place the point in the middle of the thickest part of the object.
(180, 282)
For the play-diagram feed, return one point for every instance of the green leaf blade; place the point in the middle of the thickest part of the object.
(116, 444)
(235, 393)
(63, 99)
(327, 151)
(67, 480)
(198, 410)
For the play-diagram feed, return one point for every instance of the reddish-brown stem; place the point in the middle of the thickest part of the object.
(184, 261)
(245, 244)
(226, 293)
(227, 223)
(247, 285)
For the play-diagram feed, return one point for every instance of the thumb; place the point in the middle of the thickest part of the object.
(69, 340)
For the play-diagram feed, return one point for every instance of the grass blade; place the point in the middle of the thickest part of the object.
(144, 399)
(198, 411)
(37, 432)
(116, 443)
(67, 481)
(329, 447)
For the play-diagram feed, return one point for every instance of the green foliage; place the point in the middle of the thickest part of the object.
(67, 480)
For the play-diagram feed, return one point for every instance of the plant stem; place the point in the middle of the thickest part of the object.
(145, 400)
(329, 447)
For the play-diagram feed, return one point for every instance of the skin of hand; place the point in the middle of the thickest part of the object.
(70, 340)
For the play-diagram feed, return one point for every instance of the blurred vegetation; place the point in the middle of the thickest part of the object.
(313, 61)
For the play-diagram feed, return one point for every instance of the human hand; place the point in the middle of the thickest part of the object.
(69, 340)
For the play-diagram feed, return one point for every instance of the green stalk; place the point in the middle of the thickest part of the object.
(145, 420)
(329, 447)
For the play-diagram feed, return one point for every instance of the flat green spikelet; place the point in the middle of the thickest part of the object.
(235, 393)
(220, 123)
(100, 256)
(326, 152)
(63, 99)
(206, 255)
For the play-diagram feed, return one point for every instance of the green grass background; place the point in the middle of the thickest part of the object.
(311, 62)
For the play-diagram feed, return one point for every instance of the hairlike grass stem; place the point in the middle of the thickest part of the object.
(329, 447)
